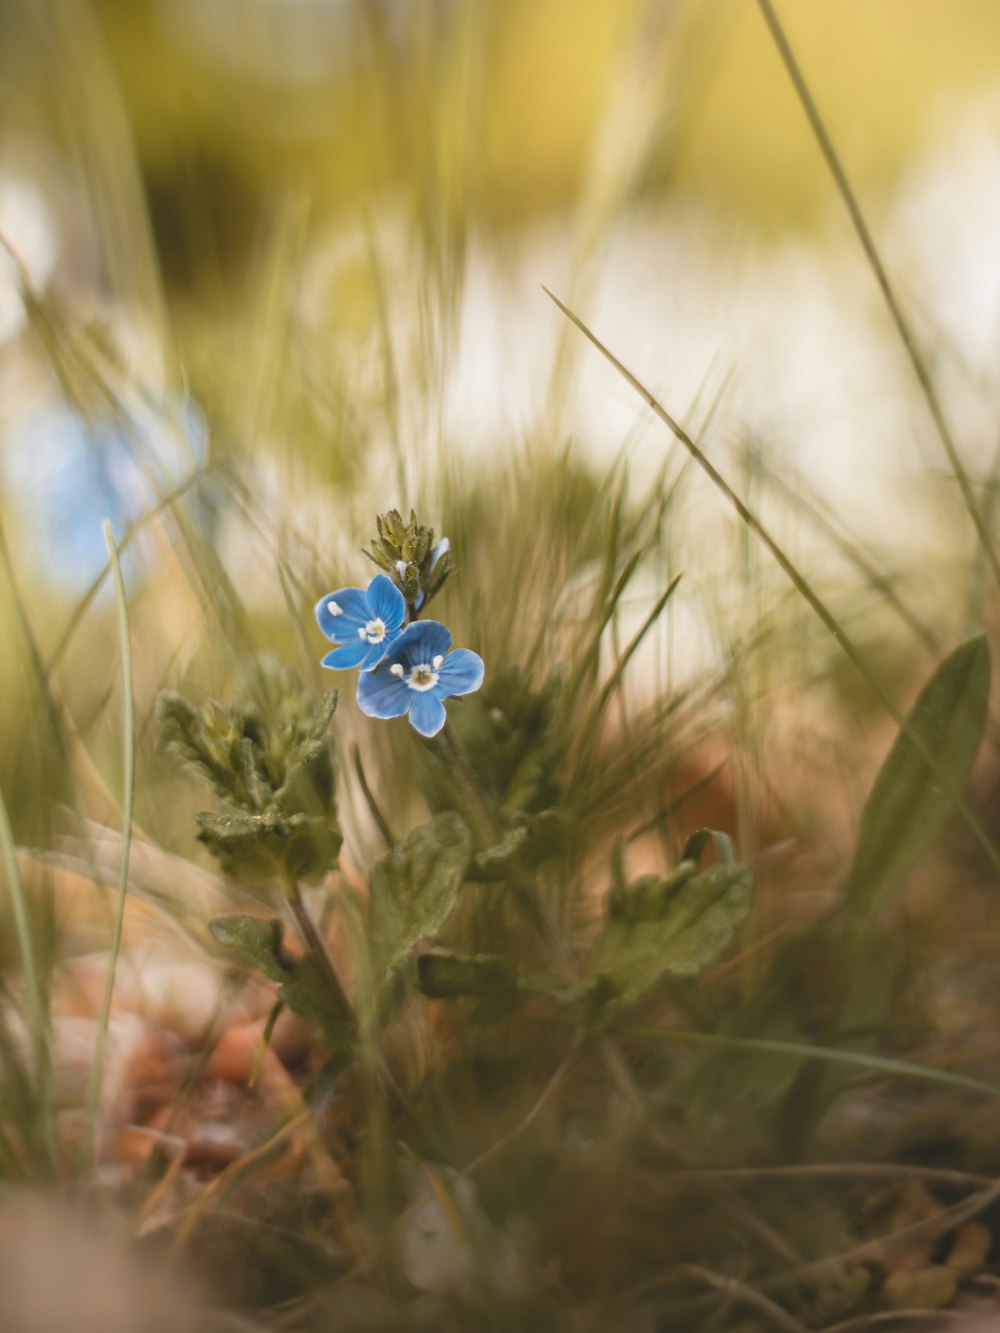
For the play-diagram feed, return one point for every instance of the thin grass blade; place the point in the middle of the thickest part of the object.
(801, 585)
(128, 803)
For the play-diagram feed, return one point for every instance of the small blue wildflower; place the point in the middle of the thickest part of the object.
(417, 674)
(363, 623)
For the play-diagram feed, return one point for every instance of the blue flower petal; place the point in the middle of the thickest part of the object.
(427, 713)
(381, 694)
(348, 655)
(376, 652)
(386, 601)
(461, 673)
(353, 605)
(420, 642)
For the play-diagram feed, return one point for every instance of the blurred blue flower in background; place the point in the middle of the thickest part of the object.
(363, 623)
(64, 475)
(417, 675)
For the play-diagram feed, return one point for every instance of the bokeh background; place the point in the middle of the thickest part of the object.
(271, 265)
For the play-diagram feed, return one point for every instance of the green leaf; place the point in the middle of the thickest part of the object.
(253, 940)
(910, 799)
(414, 889)
(678, 926)
(188, 734)
(442, 974)
(254, 849)
(258, 942)
(307, 993)
(494, 863)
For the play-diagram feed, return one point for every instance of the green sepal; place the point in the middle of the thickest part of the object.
(403, 550)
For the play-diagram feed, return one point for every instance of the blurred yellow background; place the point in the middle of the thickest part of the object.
(499, 103)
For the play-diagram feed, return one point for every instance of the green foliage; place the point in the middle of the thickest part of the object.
(514, 742)
(678, 925)
(443, 974)
(511, 735)
(257, 848)
(915, 789)
(255, 940)
(414, 889)
(302, 986)
(268, 755)
(487, 978)
(404, 549)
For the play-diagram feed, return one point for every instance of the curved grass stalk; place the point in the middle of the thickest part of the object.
(801, 585)
(128, 803)
(874, 259)
(38, 1013)
(801, 1050)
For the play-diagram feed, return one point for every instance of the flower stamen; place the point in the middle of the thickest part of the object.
(422, 677)
(396, 669)
(334, 608)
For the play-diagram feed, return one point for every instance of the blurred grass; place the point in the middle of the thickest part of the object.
(504, 114)
(529, 82)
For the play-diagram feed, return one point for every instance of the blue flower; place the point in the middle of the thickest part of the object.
(362, 623)
(418, 673)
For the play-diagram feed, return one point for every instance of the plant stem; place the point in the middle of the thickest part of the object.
(317, 947)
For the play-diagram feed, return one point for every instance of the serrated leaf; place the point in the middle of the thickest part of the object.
(694, 923)
(255, 848)
(182, 729)
(414, 889)
(254, 941)
(909, 800)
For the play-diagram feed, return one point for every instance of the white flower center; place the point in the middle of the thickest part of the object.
(422, 677)
(374, 631)
(334, 608)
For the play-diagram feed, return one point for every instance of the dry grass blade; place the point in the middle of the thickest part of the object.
(801, 584)
(128, 804)
(881, 276)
